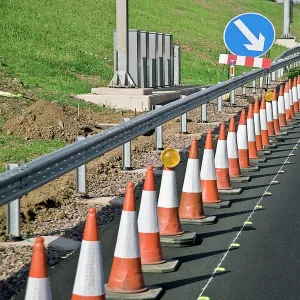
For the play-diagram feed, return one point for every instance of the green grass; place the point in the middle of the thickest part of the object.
(17, 150)
(58, 48)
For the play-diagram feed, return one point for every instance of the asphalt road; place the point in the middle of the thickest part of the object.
(265, 266)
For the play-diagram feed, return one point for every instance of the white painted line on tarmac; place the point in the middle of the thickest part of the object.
(280, 171)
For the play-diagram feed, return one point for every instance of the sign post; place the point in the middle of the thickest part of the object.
(232, 94)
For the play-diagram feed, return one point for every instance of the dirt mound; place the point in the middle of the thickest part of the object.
(50, 120)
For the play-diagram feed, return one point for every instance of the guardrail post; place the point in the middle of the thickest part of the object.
(13, 215)
(204, 111)
(158, 135)
(253, 85)
(273, 76)
(183, 120)
(81, 175)
(244, 88)
(261, 82)
(126, 153)
(219, 101)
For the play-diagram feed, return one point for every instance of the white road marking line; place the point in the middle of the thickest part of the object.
(244, 225)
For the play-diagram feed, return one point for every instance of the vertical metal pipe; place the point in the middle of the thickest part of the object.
(126, 153)
(176, 65)
(219, 102)
(13, 215)
(158, 135)
(253, 85)
(203, 111)
(183, 120)
(286, 19)
(81, 175)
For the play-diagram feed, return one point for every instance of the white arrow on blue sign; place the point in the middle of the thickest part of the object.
(249, 34)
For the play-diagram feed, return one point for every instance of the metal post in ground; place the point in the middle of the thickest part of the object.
(244, 89)
(232, 93)
(81, 175)
(13, 215)
(219, 101)
(204, 111)
(126, 153)
(183, 120)
(158, 135)
(286, 20)
(253, 85)
(261, 82)
(273, 76)
(177, 65)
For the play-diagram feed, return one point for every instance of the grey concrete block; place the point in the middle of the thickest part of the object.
(205, 221)
(240, 179)
(251, 169)
(233, 191)
(183, 240)
(222, 204)
(170, 265)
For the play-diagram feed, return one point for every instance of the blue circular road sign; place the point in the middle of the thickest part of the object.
(249, 34)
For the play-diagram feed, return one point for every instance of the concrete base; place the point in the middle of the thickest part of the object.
(153, 292)
(258, 160)
(232, 191)
(286, 128)
(222, 204)
(53, 241)
(170, 265)
(292, 123)
(182, 240)
(139, 99)
(263, 152)
(296, 118)
(251, 169)
(271, 146)
(282, 133)
(240, 179)
(274, 139)
(288, 43)
(206, 221)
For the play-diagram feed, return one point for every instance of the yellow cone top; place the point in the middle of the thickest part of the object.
(170, 158)
(269, 96)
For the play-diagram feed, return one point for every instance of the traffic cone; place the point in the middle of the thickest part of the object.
(168, 214)
(287, 103)
(221, 161)
(270, 122)
(275, 113)
(126, 273)
(257, 129)
(281, 108)
(291, 98)
(208, 174)
(38, 286)
(151, 252)
(251, 134)
(90, 262)
(295, 96)
(233, 156)
(242, 141)
(191, 205)
(263, 123)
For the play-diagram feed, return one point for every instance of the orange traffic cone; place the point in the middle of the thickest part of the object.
(168, 214)
(281, 108)
(38, 286)
(295, 96)
(263, 123)
(151, 252)
(233, 156)
(90, 262)
(221, 161)
(275, 113)
(270, 122)
(251, 133)
(256, 116)
(242, 141)
(126, 273)
(191, 205)
(208, 173)
(287, 103)
(291, 99)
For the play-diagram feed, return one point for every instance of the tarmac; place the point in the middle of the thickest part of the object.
(262, 263)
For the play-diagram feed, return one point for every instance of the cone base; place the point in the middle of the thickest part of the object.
(240, 179)
(250, 169)
(206, 221)
(221, 204)
(232, 191)
(152, 292)
(184, 240)
(170, 265)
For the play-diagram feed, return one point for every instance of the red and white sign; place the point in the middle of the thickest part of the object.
(246, 61)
